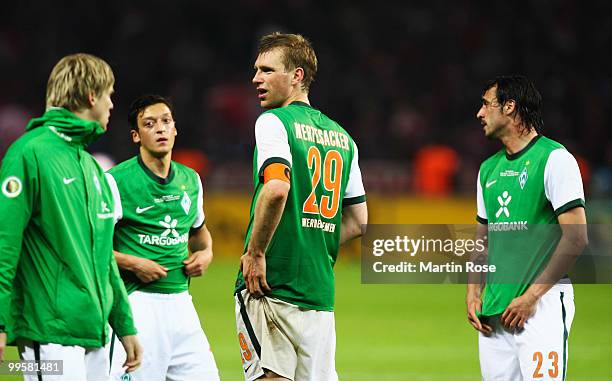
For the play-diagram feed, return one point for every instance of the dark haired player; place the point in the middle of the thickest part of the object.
(160, 242)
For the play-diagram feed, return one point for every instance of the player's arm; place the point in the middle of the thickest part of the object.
(571, 244)
(268, 212)
(274, 166)
(476, 281)
(563, 188)
(122, 321)
(354, 206)
(18, 192)
(200, 246)
(354, 219)
(145, 269)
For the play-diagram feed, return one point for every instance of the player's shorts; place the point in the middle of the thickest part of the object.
(537, 352)
(77, 363)
(293, 342)
(175, 346)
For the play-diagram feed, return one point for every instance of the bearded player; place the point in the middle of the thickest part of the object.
(309, 199)
(531, 209)
(160, 242)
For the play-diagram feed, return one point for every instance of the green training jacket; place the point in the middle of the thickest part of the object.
(59, 281)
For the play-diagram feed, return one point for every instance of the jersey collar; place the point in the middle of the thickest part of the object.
(299, 103)
(520, 153)
(153, 176)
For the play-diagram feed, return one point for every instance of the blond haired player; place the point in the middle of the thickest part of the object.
(309, 199)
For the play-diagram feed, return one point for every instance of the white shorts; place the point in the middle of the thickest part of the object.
(175, 346)
(78, 363)
(293, 342)
(539, 351)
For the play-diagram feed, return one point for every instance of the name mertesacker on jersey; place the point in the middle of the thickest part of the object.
(319, 136)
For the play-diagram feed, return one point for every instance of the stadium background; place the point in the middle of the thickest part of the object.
(404, 79)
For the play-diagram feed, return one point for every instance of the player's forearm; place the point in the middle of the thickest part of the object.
(125, 261)
(200, 240)
(571, 245)
(349, 230)
(479, 257)
(354, 220)
(268, 212)
(473, 290)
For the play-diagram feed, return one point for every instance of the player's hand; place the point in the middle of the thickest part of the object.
(520, 309)
(198, 262)
(474, 305)
(254, 271)
(133, 352)
(2, 345)
(148, 271)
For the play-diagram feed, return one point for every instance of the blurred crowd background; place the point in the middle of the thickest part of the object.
(404, 79)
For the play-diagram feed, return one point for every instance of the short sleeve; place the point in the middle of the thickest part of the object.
(272, 142)
(200, 217)
(355, 192)
(563, 182)
(481, 211)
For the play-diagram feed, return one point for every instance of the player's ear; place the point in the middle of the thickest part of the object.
(509, 107)
(135, 136)
(91, 99)
(298, 75)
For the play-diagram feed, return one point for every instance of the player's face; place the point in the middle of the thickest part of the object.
(490, 114)
(102, 105)
(272, 80)
(156, 130)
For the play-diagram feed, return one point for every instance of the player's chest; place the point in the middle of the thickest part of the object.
(169, 207)
(513, 188)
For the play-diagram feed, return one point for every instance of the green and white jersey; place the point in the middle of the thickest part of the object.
(154, 217)
(325, 176)
(520, 196)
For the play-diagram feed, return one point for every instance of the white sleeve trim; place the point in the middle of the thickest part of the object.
(118, 212)
(200, 216)
(271, 139)
(354, 187)
(562, 179)
(481, 210)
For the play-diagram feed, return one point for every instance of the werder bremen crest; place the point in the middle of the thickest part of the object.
(186, 203)
(523, 178)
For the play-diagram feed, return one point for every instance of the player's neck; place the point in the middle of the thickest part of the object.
(297, 97)
(516, 140)
(160, 166)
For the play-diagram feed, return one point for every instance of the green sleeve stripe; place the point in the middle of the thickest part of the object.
(353, 200)
(482, 220)
(570, 205)
(273, 160)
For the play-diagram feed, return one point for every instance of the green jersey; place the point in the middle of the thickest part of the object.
(520, 197)
(325, 176)
(155, 216)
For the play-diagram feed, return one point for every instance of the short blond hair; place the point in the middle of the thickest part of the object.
(76, 76)
(297, 52)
